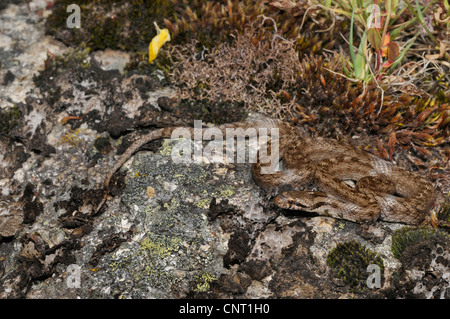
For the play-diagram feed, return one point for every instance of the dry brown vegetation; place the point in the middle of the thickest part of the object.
(254, 69)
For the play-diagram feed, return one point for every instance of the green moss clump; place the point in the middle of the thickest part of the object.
(9, 119)
(350, 260)
(443, 215)
(409, 236)
(100, 27)
(78, 56)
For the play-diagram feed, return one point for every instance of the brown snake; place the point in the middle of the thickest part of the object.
(381, 190)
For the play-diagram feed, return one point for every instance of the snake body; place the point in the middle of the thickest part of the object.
(352, 184)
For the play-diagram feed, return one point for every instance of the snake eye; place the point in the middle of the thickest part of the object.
(290, 201)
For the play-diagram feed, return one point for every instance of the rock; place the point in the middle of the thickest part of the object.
(169, 229)
(11, 218)
(112, 59)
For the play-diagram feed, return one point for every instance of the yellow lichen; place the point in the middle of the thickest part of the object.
(203, 203)
(71, 138)
(203, 282)
(166, 148)
(227, 192)
(137, 174)
(160, 247)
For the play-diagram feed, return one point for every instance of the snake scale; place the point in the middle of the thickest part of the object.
(352, 184)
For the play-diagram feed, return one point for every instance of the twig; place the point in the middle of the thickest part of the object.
(323, 7)
(275, 35)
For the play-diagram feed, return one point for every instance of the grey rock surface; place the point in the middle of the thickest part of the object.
(168, 230)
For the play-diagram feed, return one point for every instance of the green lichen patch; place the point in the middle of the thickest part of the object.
(175, 250)
(203, 282)
(350, 261)
(409, 236)
(160, 247)
(153, 261)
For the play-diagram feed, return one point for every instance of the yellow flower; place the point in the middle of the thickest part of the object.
(157, 42)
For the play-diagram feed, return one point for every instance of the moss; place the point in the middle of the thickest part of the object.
(9, 118)
(320, 96)
(100, 28)
(409, 236)
(72, 59)
(350, 260)
(102, 145)
(443, 215)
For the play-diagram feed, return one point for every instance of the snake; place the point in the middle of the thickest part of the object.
(349, 183)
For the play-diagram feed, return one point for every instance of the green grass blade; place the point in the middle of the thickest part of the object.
(352, 54)
(359, 66)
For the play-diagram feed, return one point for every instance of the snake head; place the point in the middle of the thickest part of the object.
(283, 200)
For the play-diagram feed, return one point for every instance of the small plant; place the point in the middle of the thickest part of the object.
(350, 260)
(408, 236)
(381, 29)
